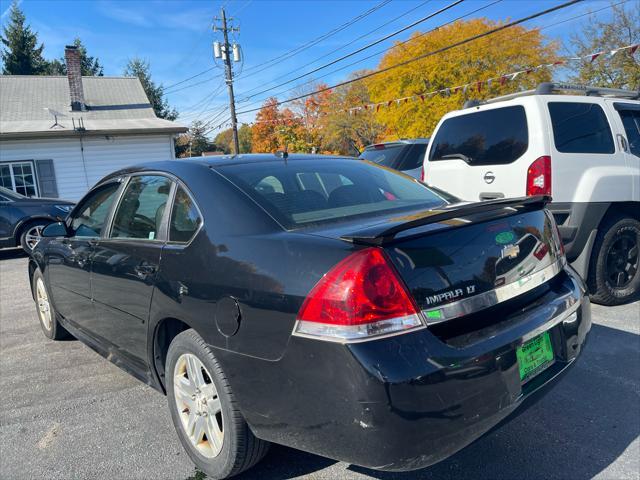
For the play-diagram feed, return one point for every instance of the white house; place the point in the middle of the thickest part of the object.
(60, 135)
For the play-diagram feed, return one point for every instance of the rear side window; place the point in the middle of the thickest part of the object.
(631, 122)
(141, 209)
(490, 137)
(328, 191)
(580, 128)
(185, 218)
(385, 154)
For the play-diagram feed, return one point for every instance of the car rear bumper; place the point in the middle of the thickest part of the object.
(408, 401)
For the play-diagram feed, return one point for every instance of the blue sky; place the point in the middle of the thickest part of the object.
(176, 36)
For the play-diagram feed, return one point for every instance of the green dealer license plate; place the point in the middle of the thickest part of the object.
(534, 356)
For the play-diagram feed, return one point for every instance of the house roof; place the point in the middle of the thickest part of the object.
(115, 105)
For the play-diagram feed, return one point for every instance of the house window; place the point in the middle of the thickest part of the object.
(19, 177)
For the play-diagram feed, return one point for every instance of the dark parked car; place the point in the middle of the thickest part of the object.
(336, 307)
(22, 218)
(406, 155)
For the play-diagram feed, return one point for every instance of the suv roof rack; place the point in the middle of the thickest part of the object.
(548, 88)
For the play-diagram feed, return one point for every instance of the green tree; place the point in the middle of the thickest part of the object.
(224, 140)
(141, 69)
(245, 138)
(199, 141)
(605, 34)
(21, 54)
(90, 65)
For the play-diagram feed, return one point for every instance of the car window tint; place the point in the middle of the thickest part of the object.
(415, 157)
(185, 218)
(342, 189)
(139, 214)
(580, 128)
(269, 184)
(490, 137)
(88, 219)
(631, 122)
(386, 154)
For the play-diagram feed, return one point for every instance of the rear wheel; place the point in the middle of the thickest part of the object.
(208, 422)
(46, 313)
(613, 276)
(31, 236)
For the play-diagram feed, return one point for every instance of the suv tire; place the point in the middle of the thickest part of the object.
(613, 275)
(239, 449)
(30, 235)
(47, 315)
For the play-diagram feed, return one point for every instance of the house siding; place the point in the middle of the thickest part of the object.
(75, 172)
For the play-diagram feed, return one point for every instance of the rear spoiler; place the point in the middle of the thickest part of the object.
(386, 232)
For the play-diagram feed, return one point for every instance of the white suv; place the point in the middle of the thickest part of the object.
(582, 149)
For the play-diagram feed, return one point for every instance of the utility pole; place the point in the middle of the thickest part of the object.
(225, 51)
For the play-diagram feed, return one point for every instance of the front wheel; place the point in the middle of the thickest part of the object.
(209, 424)
(46, 313)
(613, 275)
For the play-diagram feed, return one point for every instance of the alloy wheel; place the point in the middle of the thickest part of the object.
(198, 405)
(622, 260)
(44, 308)
(33, 236)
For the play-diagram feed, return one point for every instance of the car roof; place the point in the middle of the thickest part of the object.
(407, 141)
(191, 164)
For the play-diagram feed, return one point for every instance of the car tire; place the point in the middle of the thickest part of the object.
(239, 448)
(47, 315)
(613, 274)
(30, 235)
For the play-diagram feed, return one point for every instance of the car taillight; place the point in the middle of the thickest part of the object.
(541, 251)
(539, 177)
(361, 297)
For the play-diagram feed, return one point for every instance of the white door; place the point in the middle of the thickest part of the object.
(627, 117)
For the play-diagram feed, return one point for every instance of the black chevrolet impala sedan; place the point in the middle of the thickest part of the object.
(327, 304)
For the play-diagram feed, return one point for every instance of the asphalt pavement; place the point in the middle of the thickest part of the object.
(67, 413)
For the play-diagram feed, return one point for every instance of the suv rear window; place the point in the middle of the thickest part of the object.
(329, 190)
(490, 137)
(385, 154)
(580, 128)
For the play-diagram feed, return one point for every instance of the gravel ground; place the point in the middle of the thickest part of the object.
(65, 412)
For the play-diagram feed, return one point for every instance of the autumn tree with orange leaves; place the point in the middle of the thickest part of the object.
(516, 48)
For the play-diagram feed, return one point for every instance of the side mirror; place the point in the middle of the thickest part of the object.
(56, 229)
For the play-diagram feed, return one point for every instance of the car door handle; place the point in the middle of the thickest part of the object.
(144, 271)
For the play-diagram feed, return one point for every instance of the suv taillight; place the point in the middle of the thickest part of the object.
(539, 177)
(361, 297)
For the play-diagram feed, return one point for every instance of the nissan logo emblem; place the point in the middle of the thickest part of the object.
(489, 177)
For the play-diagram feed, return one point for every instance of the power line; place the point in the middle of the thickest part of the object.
(428, 54)
(375, 30)
(279, 59)
(361, 49)
(384, 50)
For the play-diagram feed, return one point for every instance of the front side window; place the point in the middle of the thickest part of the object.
(490, 137)
(580, 128)
(140, 212)
(185, 218)
(631, 122)
(88, 219)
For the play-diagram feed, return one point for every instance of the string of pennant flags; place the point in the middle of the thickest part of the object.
(467, 87)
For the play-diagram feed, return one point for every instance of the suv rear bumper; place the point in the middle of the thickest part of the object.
(408, 401)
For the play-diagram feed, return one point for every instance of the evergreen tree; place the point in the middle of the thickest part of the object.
(141, 69)
(90, 65)
(21, 54)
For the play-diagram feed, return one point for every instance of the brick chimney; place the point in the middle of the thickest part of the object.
(74, 74)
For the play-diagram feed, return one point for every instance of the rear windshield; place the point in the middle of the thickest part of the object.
(490, 137)
(387, 155)
(302, 193)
